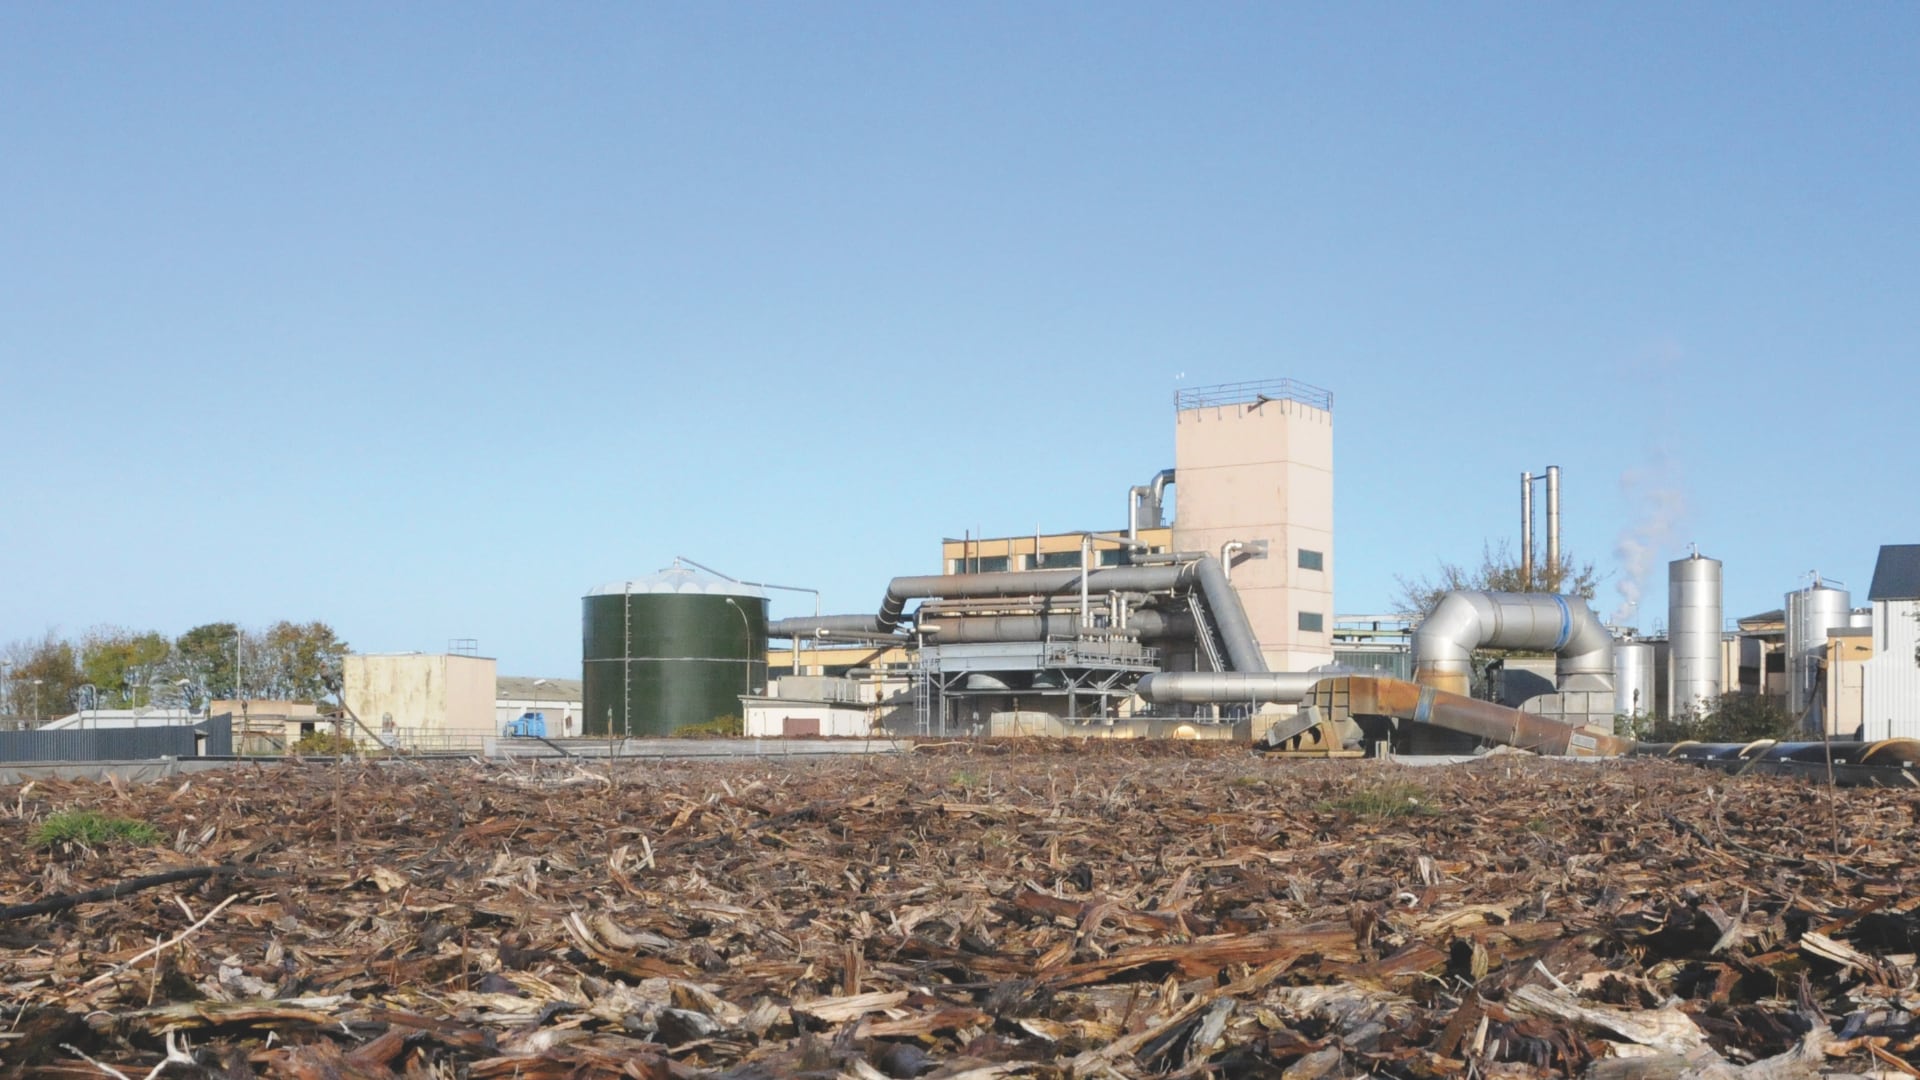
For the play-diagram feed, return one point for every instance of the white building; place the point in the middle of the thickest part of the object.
(558, 699)
(1891, 695)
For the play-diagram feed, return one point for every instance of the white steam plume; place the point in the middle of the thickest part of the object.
(1658, 505)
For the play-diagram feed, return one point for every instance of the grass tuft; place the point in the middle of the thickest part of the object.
(1386, 799)
(92, 828)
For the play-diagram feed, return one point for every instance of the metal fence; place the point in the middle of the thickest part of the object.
(1252, 393)
(212, 738)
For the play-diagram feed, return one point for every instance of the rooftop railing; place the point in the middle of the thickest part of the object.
(1253, 393)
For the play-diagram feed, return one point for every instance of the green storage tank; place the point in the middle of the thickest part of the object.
(663, 652)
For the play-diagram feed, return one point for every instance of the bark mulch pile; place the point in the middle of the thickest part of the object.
(977, 911)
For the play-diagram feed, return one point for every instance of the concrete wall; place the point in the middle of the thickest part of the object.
(1892, 692)
(773, 719)
(1264, 472)
(425, 693)
(1847, 653)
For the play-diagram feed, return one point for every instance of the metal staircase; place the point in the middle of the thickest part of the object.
(1205, 631)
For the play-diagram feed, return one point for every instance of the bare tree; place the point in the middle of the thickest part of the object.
(1499, 571)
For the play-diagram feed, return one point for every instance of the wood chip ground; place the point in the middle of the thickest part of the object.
(981, 910)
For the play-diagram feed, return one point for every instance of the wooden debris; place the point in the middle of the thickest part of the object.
(969, 910)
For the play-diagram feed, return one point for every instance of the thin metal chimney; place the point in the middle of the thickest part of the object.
(1553, 523)
(1526, 532)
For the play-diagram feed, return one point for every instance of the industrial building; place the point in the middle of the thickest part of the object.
(1208, 603)
(425, 701)
(1890, 694)
(560, 701)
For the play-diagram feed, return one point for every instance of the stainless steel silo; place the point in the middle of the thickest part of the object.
(1811, 612)
(1860, 619)
(1632, 678)
(1693, 634)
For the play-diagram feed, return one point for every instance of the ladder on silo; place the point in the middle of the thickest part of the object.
(1204, 630)
(923, 698)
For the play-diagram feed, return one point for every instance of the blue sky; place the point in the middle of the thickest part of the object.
(425, 319)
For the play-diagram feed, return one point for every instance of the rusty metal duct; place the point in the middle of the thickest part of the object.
(1226, 687)
(1443, 644)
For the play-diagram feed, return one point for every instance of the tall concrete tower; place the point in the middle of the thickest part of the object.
(1254, 462)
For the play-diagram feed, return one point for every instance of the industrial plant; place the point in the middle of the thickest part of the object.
(1220, 623)
(1204, 608)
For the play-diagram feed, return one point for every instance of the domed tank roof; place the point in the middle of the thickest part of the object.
(680, 578)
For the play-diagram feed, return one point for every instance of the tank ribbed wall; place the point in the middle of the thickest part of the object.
(653, 663)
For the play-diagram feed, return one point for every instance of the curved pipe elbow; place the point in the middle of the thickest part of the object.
(1466, 620)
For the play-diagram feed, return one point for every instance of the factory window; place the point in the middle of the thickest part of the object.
(980, 564)
(1312, 622)
(1116, 557)
(1312, 560)
(1055, 560)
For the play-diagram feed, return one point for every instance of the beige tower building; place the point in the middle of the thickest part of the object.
(1253, 464)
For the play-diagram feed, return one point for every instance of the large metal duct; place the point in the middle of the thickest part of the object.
(945, 629)
(1204, 573)
(1226, 687)
(1443, 644)
(1693, 634)
(1811, 612)
(1236, 633)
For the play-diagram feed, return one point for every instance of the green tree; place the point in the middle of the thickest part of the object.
(1499, 571)
(123, 664)
(301, 657)
(1737, 718)
(43, 677)
(206, 656)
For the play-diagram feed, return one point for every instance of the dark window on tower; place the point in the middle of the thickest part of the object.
(1312, 622)
(1312, 560)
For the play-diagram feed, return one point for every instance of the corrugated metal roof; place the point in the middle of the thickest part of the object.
(1897, 575)
(680, 578)
(521, 688)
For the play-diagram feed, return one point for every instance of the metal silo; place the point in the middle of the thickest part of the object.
(1811, 612)
(1693, 634)
(1632, 678)
(663, 652)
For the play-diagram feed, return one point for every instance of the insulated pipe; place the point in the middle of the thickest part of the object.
(1553, 523)
(1001, 583)
(1236, 633)
(1443, 643)
(953, 630)
(1157, 492)
(1226, 556)
(1086, 571)
(1226, 687)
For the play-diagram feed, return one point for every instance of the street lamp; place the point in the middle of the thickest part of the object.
(186, 703)
(746, 686)
(537, 684)
(36, 701)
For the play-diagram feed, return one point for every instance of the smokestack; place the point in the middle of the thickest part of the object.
(1553, 520)
(1526, 531)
